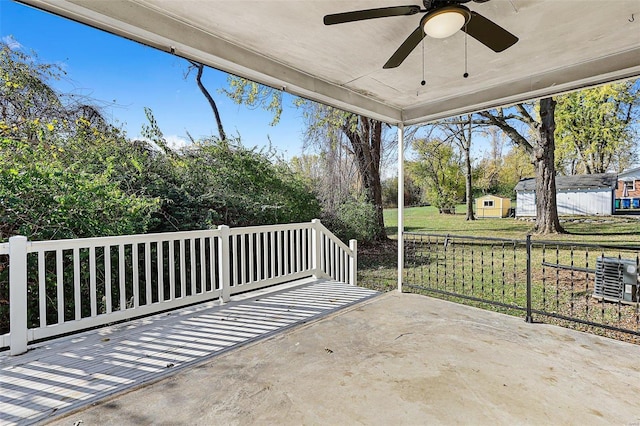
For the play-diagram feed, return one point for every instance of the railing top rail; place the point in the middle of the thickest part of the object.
(533, 242)
(4, 248)
(335, 239)
(269, 228)
(34, 246)
(467, 237)
(120, 239)
(588, 245)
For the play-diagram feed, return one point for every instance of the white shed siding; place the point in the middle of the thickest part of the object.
(578, 202)
(585, 202)
(525, 203)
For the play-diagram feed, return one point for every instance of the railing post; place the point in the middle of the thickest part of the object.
(18, 294)
(224, 262)
(316, 248)
(529, 317)
(353, 262)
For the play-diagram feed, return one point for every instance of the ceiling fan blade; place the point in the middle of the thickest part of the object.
(405, 48)
(360, 15)
(489, 33)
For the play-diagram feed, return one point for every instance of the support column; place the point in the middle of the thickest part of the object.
(400, 205)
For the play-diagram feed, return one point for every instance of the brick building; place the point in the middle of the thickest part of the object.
(628, 190)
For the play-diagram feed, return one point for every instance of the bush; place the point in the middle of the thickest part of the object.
(353, 219)
(226, 183)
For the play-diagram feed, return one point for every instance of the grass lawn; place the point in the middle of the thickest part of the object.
(603, 229)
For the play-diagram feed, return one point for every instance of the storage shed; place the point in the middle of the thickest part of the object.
(492, 206)
(575, 195)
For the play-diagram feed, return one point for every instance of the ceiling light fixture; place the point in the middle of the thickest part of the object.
(446, 21)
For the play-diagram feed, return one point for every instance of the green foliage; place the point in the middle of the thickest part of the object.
(353, 219)
(596, 128)
(352, 139)
(254, 95)
(412, 192)
(438, 170)
(26, 101)
(499, 177)
(42, 198)
(228, 183)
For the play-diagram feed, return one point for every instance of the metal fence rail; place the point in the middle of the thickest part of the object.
(584, 285)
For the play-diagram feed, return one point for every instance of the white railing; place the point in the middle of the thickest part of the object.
(63, 286)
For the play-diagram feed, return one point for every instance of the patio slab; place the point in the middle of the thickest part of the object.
(397, 359)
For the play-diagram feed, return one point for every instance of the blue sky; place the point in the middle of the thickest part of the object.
(123, 77)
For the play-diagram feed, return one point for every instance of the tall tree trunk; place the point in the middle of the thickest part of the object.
(212, 103)
(540, 145)
(547, 221)
(460, 131)
(468, 186)
(366, 142)
(468, 171)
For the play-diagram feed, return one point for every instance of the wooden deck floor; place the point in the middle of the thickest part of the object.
(68, 373)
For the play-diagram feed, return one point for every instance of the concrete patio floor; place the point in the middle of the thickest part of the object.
(397, 359)
(71, 372)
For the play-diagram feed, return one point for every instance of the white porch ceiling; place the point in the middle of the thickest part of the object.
(564, 45)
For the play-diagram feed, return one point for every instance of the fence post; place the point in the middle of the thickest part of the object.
(18, 294)
(224, 260)
(353, 262)
(529, 317)
(316, 247)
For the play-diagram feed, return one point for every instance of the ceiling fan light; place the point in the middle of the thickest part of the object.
(445, 22)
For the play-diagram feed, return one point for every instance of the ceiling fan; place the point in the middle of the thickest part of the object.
(442, 19)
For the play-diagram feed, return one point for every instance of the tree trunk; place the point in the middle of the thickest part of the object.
(366, 142)
(542, 152)
(468, 172)
(469, 188)
(212, 103)
(547, 221)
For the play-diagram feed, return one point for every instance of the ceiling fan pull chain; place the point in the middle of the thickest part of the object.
(466, 35)
(423, 82)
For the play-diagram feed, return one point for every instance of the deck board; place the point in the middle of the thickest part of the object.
(67, 373)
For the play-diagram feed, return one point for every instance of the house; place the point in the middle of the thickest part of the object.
(492, 206)
(628, 190)
(575, 195)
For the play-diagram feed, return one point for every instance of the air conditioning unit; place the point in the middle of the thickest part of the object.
(616, 280)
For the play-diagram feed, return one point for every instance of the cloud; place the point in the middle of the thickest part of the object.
(11, 42)
(176, 142)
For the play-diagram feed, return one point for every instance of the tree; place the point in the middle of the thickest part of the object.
(516, 165)
(596, 128)
(490, 165)
(212, 103)
(460, 130)
(412, 192)
(537, 138)
(330, 131)
(438, 168)
(30, 108)
(362, 139)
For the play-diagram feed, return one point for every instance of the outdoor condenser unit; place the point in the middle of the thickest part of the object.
(616, 279)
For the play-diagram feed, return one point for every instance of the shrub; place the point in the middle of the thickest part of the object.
(353, 219)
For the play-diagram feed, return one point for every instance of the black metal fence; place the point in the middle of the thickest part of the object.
(584, 286)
